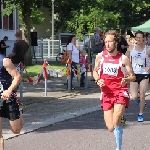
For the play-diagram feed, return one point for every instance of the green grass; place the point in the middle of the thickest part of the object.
(36, 69)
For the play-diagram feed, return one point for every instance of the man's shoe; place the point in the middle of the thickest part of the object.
(140, 118)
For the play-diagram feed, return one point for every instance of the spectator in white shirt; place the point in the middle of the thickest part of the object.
(73, 54)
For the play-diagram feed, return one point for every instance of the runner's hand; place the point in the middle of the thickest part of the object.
(123, 82)
(6, 94)
(100, 82)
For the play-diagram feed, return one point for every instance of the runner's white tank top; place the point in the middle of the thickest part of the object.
(139, 61)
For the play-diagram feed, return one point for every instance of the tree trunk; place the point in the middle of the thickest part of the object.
(26, 13)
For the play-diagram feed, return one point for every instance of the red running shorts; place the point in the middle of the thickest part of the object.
(108, 100)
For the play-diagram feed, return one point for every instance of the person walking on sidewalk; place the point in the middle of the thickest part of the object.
(9, 103)
(109, 74)
(139, 56)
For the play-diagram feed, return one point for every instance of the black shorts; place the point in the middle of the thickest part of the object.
(140, 77)
(10, 108)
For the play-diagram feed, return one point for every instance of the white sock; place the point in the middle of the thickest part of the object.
(140, 114)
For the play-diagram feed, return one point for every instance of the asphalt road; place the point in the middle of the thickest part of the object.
(87, 132)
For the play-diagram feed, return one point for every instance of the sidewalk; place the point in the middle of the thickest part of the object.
(59, 105)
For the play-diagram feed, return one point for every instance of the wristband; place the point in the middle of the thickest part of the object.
(96, 81)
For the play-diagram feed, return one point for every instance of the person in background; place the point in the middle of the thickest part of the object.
(73, 54)
(19, 50)
(139, 55)
(3, 46)
(148, 39)
(123, 45)
(82, 68)
(96, 46)
(102, 38)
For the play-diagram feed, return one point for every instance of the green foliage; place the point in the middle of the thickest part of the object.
(37, 16)
(81, 16)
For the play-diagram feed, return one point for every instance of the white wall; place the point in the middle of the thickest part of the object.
(11, 44)
(9, 33)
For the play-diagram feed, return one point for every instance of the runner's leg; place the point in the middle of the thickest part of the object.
(134, 90)
(15, 116)
(108, 117)
(143, 89)
(15, 126)
(118, 131)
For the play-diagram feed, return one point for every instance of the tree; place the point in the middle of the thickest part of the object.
(26, 7)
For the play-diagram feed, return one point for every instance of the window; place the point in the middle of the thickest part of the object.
(7, 20)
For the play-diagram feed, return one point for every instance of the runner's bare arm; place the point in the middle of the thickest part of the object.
(148, 51)
(96, 67)
(126, 62)
(11, 69)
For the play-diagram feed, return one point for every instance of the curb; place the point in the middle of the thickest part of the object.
(30, 127)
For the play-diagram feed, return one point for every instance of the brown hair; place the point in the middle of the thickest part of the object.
(115, 33)
(18, 33)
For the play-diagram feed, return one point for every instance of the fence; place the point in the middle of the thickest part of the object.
(44, 48)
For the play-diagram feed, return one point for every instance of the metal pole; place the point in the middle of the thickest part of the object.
(45, 87)
(69, 79)
(52, 28)
(48, 48)
(41, 48)
(21, 83)
(86, 79)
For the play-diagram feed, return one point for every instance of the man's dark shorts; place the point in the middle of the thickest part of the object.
(140, 77)
(10, 108)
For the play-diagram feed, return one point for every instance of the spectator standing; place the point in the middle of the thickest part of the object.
(19, 50)
(3, 46)
(123, 45)
(73, 54)
(96, 45)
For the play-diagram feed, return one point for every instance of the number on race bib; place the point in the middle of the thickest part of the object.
(110, 69)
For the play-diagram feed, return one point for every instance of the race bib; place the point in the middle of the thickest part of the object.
(138, 63)
(110, 69)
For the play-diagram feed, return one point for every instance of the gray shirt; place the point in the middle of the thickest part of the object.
(96, 48)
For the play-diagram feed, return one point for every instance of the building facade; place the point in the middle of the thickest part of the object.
(8, 24)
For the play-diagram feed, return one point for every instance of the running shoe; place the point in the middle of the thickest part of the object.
(140, 118)
(137, 101)
(123, 121)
